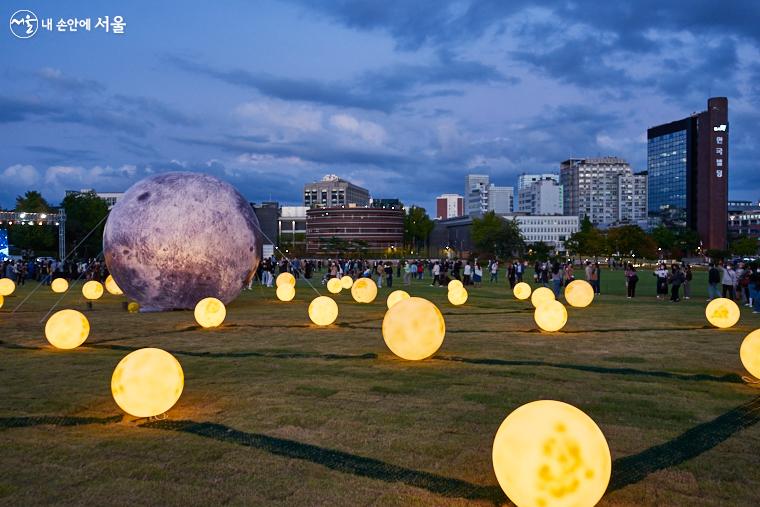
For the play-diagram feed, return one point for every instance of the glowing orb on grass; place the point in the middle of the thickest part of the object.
(112, 287)
(413, 328)
(541, 295)
(750, 353)
(346, 282)
(323, 310)
(7, 286)
(92, 290)
(133, 307)
(522, 290)
(333, 285)
(286, 292)
(2, 300)
(147, 382)
(550, 454)
(59, 285)
(209, 312)
(550, 316)
(455, 284)
(67, 329)
(579, 293)
(458, 296)
(364, 290)
(396, 296)
(285, 279)
(722, 312)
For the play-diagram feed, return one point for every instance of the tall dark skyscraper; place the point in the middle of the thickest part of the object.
(687, 162)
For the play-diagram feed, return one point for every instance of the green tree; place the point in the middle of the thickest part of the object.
(663, 237)
(539, 251)
(417, 229)
(744, 246)
(85, 220)
(37, 238)
(631, 240)
(493, 234)
(589, 240)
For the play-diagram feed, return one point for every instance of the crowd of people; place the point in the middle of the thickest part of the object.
(45, 270)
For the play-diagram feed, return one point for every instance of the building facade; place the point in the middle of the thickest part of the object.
(332, 191)
(111, 198)
(500, 199)
(632, 199)
(744, 223)
(554, 230)
(451, 238)
(372, 230)
(591, 189)
(525, 180)
(687, 165)
(476, 194)
(386, 203)
(541, 197)
(291, 228)
(449, 206)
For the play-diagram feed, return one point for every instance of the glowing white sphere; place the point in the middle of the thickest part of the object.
(285, 278)
(413, 328)
(750, 353)
(455, 284)
(286, 292)
(550, 316)
(579, 293)
(541, 295)
(522, 290)
(396, 296)
(7, 286)
(67, 329)
(209, 312)
(92, 290)
(346, 282)
(722, 312)
(364, 290)
(323, 310)
(147, 382)
(457, 296)
(112, 287)
(334, 285)
(59, 285)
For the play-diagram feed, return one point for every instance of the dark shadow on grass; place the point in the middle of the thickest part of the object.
(272, 355)
(729, 377)
(55, 420)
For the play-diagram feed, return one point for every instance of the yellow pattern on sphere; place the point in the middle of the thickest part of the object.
(209, 312)
(147, 382)
(722, 312)
(522, 291)
(541, 295)
(414, 328)
(67, 329)
(59, 285)
(323, 310)
(92, 290)
(364, 290)
(396, 296)
(579, 293)
(550, 316)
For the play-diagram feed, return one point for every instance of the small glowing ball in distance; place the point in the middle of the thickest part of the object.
(455, 284)
(286, 292)
(579, 293)
(92, 290)
(147, 382)
(396, 296)
(346, 282)
(364, 290)
(750, 353)
(285, 279)
(458, 296)
(550, 316)
(541, 295)
(323, 310)
(413, 328)
(522, 290)
(209, 312)
(7, 286)
(333, 285)
(550, 454)
(59, 285)
(133, 307)
(112, 287)
(722, 312)
(67, 329)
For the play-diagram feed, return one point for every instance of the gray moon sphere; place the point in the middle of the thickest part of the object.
(178, 237)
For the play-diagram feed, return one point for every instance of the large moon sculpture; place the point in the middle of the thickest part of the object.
(179, 237)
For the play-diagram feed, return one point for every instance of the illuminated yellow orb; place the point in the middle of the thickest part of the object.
(750, 353)
(413, 328)
(550, 454)
(522, 290)
(364, 290)
(541, 295)
(550, 316)
(333, 285)
(112, 287)
(133, 307)
(59, 285)
(2, 300)
(396, 296)
(722, 312)
(458, 296)
(147, 382)
(579, 293)
(7, 286)
(323, 310)
(209, 312)
(455, 284)
(92, 290)
(346, 282)
(67, 329)
(286, 292)
(285, 279)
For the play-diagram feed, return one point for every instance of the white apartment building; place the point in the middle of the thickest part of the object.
(632, 197)
(554, 230)
(525, 180)
(500, 199)
(481, 196)
(541, 197)
(449, 206)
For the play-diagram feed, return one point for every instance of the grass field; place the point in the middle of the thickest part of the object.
(278, 412)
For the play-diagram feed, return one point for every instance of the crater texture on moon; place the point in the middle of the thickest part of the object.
(176, 238)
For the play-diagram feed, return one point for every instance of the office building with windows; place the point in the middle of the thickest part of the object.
(449, 206)
(333, 191)
(525, 180)
(632, 199)
(476, 194)
(550, 229)
(687, 166)
(500, 199)
(541, 197)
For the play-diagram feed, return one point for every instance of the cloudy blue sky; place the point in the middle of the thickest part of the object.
(401, 97)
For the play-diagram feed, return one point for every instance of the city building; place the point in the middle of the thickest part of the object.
(267, 214)
(525, 180)
(591, 188)
(386, 203)
(541, 196)
(500, 199)
(687, 163)
(553, 230)
(632, 199)
(744, 223)
(111, 198)
(476, 194)
(291, 228)
(332, 191)
(340, 230)
(743, 205)
(449, 206)
(451, 237)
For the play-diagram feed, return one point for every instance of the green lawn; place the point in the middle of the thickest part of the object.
(299, 415)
